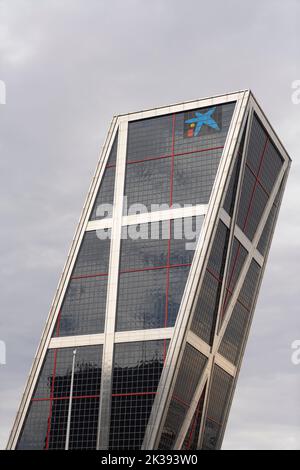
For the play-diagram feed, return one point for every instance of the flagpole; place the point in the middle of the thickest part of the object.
(70, 403)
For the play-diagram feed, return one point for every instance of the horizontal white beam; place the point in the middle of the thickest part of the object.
(119, 337)
(156, 216)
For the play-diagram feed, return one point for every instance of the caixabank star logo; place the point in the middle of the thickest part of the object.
(201, 122)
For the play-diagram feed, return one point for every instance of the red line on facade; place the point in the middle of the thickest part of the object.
(238, 300)
(224, 306)
(263, 156)
(228, 291)
(216, 422)
(255, 184)
(219, 280)
(234, 264)
(243, 305)
(258, 180)
(171, 155)
(208, 149)
(174, 397)
(230, 277)
(149, 159)
(154, 268)
(246, 221)
(169, 240)
(76, 397)
(214, 275)
(86, 276)
(127, 271)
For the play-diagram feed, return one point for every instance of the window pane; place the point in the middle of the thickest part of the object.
(136, 374)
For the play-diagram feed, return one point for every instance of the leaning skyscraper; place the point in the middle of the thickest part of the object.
(153, 309)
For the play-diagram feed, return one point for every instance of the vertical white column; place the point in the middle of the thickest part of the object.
(112, 292)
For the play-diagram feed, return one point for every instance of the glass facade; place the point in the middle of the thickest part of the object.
(265, 238)
(146, 376)
(189, 374)
(46, 422)
(167, 163)
(153, 273)
(205, 316)
(105, 194)
(237, 260)
(84, 305)
(218, 401)
(231, 193)
(235, 333)
(136, 373)
(191, 441)
(263, 164)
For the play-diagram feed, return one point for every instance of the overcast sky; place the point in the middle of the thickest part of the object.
(69, 66)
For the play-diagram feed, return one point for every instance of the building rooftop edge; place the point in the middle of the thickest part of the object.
(183, 102)
(233, 93)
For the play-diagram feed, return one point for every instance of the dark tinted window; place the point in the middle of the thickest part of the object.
(46, 421)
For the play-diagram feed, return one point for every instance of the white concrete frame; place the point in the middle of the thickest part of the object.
(180, 334)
